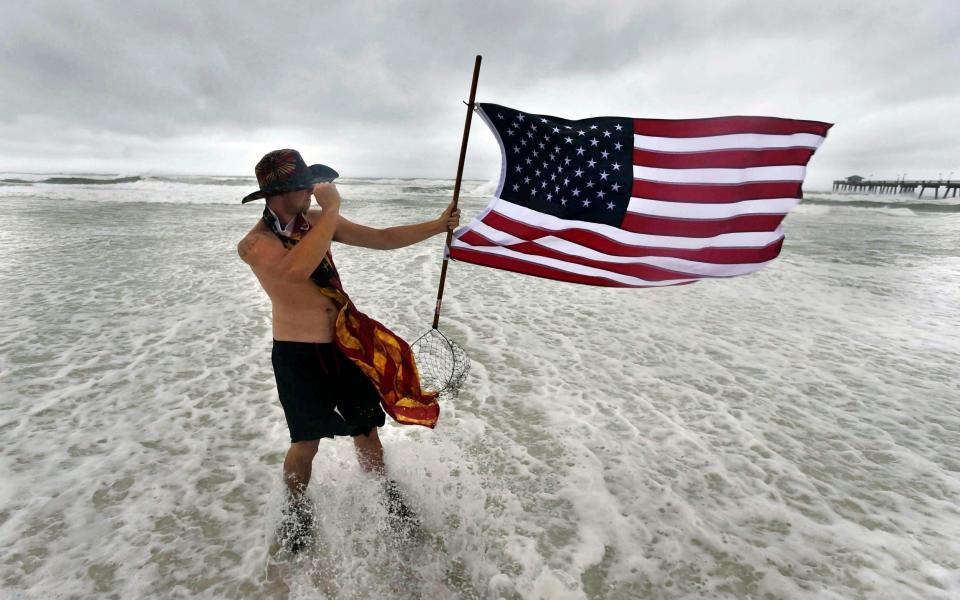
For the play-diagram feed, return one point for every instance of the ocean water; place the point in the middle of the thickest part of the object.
(790, 434)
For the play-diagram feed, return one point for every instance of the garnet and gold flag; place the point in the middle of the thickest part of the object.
(386, 359)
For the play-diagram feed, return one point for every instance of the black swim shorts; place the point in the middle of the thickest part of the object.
(322, 392)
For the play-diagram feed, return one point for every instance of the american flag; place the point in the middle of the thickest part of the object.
(622, 202)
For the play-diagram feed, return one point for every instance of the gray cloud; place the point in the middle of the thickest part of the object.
(375, 88)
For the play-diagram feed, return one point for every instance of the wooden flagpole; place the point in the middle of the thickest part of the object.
(456, 187)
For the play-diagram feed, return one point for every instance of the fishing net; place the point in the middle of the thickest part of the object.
(442, 363)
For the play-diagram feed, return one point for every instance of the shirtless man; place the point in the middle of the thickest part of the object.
(323, 394)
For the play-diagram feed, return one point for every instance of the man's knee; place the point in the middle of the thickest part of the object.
(303, 451)
(367, 440)
(369, 451)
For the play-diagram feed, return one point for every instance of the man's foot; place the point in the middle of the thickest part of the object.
(295, 531)
(402, 518)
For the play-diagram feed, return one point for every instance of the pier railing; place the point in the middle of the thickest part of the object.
(899, 186)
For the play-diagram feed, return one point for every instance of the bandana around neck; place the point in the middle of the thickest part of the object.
(290, 234)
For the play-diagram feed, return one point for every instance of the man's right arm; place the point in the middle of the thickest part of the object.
(265, 254)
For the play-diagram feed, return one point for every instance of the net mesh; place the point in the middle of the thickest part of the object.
(442, 363)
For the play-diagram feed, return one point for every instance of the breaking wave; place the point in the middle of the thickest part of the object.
(190, 180)
(913, 206)
(75, 180)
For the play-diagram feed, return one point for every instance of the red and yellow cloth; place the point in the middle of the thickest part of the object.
(382, 355)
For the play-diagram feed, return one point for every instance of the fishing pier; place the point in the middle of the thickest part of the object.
(897, 186)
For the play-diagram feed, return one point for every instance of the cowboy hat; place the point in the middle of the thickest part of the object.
(283, 171)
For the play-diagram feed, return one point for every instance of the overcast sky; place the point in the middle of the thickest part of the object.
(375, 88)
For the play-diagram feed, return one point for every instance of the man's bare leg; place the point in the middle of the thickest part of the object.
(370, 456)
(298, 465)
(296, 522)
(370, 452)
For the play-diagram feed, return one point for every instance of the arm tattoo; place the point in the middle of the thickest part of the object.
(246, 246)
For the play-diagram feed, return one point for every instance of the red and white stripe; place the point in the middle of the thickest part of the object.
(708, 199)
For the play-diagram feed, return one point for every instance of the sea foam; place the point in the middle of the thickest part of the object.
(790, 434)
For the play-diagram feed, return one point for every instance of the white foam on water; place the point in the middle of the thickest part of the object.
(167, 189)
(896, 212)
(790, 434)
(485, 189)
(811, 209)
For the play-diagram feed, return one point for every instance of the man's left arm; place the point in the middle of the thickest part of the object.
(390, 238)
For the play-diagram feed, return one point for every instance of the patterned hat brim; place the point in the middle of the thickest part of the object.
(317, 174)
